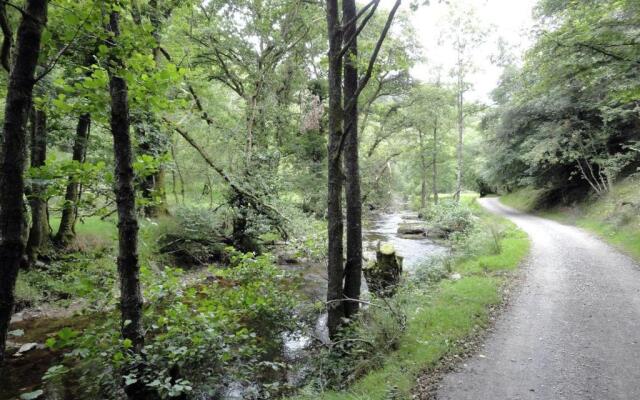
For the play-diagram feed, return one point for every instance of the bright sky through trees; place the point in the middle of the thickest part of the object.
(511, 20)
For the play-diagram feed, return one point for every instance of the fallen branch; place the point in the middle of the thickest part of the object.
(252, 199)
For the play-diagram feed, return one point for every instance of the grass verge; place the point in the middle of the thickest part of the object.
(614, 217)
(441, 315)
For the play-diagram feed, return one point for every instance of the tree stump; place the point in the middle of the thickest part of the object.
(383, 276)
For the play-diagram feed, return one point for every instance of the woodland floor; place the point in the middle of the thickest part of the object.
(571, 330)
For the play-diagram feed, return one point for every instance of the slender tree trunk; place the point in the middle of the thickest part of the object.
(434, 156)
(179, 171)
(460, 136)
(353, 266)
(423, 172)
(13, 224)
(39, 234)
(66, 231)
(152, 187)
(128, 265)
(335, 268)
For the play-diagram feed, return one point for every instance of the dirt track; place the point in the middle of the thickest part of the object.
(571, 332)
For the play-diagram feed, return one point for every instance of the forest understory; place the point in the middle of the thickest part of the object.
(279, 199)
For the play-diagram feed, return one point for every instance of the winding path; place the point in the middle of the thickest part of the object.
(572, 330)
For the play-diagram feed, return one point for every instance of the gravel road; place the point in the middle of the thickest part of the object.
(572, 330)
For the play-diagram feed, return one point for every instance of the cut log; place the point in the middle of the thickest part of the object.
(383, 276)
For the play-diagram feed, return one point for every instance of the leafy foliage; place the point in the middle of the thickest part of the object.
(200, 337)
(565, 121)
(450, 216)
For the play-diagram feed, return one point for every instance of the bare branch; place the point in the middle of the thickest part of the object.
(349, 42)
(365, 79)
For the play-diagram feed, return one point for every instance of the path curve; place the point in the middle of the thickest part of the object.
(571, 332)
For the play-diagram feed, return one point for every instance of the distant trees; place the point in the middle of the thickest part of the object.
(565, 120)
(465, 33)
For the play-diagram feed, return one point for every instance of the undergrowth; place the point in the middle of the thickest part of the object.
(438, 314)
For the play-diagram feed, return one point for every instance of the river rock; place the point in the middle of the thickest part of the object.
(436, 233)
(383, 276)
(411, 229)
(25, 348)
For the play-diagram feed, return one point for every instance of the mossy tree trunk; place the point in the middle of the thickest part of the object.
(383, 276)
(66, 230)
(353, 265)
(128, 265)
(13, 224)
(335, 267)
(39, 234)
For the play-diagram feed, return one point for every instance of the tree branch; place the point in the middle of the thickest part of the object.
(365, 79)
(257, 204)
(353, 37)
(5, 55)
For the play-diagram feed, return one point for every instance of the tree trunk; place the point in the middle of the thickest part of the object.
(128, 266)
(383, 276)
(39, 234)
(152, 186)
(353, 266)
(458, 191)
(335, 269)
(179, 171)
(434, 155)
(13, 223)
(66, 231)
(423, 172)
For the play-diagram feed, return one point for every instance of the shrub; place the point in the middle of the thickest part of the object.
(194, 236)
(90, 276)
(361, 346)
(449, 216)
(433, 269)
(199, 337)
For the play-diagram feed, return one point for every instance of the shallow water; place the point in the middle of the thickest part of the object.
(383, 228)
(377, 227)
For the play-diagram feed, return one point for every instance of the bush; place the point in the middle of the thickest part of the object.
(361, 346)
(433, 269)
(199, 338)
(194, 236)
(90, 276)
(449, 216)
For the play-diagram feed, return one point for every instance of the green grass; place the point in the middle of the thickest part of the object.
(94, 226)
(525, 199)
(440, 316)
(605, 216)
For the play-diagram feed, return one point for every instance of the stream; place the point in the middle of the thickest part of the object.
(377, 227)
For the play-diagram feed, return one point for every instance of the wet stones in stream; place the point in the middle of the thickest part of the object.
(419, 231)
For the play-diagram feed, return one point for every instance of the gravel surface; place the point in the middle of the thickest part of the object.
(571, 332)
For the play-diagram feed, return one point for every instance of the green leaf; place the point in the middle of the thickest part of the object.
(67, 334)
